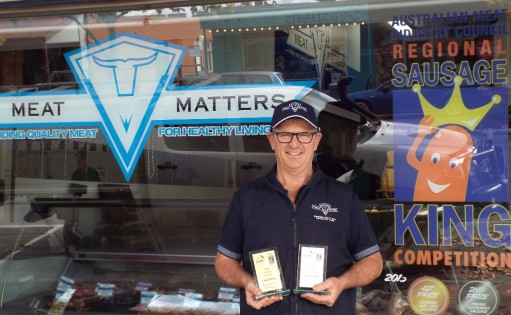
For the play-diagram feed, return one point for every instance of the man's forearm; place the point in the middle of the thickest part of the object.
(231, 271)
(362, 272)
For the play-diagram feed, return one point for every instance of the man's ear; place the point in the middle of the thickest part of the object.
(318, 140)
(271, 139)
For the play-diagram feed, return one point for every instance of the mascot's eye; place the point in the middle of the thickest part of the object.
(454, 162)
(435, 158)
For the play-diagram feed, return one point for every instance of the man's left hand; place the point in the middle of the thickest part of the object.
(334, 286)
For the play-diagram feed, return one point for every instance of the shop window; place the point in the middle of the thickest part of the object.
(158, 216)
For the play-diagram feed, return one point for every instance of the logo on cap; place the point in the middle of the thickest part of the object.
(294, 109)
(295, 106)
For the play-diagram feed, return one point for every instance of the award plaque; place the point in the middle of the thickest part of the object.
(311, 268)
(267, 273)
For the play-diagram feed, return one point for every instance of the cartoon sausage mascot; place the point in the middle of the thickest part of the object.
(443, 169)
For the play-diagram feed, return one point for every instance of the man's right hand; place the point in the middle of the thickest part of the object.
(252, 290)
(233, 273)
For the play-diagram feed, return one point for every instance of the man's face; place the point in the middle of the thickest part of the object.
(294, 156)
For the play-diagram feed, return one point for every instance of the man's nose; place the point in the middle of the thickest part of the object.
(294, 140)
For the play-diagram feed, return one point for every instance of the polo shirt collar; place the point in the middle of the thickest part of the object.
(271, 180)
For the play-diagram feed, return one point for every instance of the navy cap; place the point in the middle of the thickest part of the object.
(294, 109)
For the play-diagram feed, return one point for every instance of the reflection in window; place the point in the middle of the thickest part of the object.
(199, 143)
(256, 144)
(59, 158)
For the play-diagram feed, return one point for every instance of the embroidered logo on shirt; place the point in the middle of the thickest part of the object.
(325, 208)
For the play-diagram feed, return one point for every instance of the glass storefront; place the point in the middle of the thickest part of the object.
(125, 130)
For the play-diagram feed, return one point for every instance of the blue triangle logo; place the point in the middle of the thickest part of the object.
(125, 76)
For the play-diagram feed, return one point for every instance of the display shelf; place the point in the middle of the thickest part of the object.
(113, 287)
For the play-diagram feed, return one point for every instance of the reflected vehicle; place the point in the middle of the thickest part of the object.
(252, 153)
(194, 78)
(270, 77)
(378, 100)
(182, 185)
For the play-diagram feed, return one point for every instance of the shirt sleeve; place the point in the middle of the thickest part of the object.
(363, 240)
(232, 236)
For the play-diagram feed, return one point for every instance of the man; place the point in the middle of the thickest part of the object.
(281, 210)
(83, 171)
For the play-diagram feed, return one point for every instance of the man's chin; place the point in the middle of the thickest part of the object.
(294, 164)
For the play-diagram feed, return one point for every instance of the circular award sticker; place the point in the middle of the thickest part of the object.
(478, 297)
(428, 296)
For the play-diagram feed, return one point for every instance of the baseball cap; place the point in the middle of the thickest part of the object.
(294, 109)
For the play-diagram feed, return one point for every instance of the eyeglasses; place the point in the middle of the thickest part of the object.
(302, 137)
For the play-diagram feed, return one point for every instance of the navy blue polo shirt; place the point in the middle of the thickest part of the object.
(326, 212)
